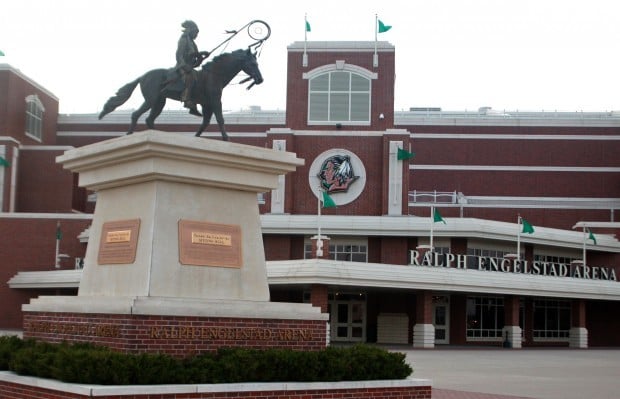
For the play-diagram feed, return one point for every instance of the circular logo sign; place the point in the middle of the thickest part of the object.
(339, 173)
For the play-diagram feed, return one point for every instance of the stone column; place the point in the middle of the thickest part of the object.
(578, 337)
(511, 332)
(423, 330)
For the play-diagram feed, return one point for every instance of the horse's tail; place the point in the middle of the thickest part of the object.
(119, 99)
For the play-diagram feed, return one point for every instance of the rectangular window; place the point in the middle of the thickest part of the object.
(552, 319)
(34, 117)
(474, 253)
(485, 318)
(352, 251)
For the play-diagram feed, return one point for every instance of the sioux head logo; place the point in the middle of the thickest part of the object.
(336, 174)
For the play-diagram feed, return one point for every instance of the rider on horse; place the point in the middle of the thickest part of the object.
(188, 57)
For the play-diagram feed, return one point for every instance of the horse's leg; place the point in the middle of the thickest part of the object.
(155, 111)
(136, 115)
(206, 118)
(217, 110)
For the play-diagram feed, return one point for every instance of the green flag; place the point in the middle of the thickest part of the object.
(591, 236)
(4, 162)
(404, 154)
(1, 53)
(437, 216)
(308, 29)
(383, 27)
(527, 227)
(58, 232)
(328, 202)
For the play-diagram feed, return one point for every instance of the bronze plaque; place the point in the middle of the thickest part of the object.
(209, 244)
(119, 241)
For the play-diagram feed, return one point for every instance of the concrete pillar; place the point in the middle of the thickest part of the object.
(578, 336)
(423, 330)
(511, 332)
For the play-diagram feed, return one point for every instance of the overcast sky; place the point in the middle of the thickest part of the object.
(453, 54)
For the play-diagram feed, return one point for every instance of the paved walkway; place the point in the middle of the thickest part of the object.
(518, 373)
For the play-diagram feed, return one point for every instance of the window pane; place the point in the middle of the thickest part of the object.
(340, 81)
(339, 107)
(343, 313)
(359, 83)
(360, 107)
(320, 83)
(318, 106)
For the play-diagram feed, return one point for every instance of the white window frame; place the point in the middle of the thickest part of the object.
(341, 246)
(499, 324)
(548, 334)
(353, 70)
(34, 117)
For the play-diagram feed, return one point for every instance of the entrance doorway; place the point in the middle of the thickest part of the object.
(441, 319)
(348, 317)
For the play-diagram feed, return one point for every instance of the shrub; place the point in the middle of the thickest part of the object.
(90, 364)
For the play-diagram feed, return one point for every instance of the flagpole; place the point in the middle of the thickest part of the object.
(319, 241)
(432, 223)
(518, 238)
(57, 257)
(584, 246)
(375, 57)
(304, 60)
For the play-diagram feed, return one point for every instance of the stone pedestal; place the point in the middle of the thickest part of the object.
(176, 233)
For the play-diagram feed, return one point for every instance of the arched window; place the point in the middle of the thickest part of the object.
(339, 93)
(34, 117)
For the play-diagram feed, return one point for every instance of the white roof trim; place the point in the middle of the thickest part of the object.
(318, 271)
(378, 275)
(414, 226)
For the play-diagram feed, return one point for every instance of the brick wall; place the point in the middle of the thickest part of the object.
(174, 335)
(29, 244)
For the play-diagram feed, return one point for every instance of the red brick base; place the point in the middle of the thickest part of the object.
(16, 387)
(179, 336)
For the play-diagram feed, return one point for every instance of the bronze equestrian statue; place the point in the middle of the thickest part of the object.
(205, 88)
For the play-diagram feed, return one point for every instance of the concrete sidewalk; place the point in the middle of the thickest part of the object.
(525, 373)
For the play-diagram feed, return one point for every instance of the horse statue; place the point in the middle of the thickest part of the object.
(159, 84)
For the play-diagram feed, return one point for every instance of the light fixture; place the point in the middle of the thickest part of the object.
(381, 116)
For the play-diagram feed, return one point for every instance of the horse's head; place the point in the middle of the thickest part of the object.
(250, 67)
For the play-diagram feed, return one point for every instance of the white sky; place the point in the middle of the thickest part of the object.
(454, 54)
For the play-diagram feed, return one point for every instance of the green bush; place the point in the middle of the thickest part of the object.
(90, 364)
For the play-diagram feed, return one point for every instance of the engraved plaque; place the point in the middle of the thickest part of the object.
(209, 244)
(119, 241)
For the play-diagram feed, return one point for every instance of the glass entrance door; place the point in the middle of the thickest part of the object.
(348, 320)
(441, 319)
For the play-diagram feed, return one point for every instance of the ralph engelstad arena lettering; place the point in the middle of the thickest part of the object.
(433, 259)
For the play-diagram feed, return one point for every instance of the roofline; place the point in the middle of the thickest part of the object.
(402, 119)
(9, 68)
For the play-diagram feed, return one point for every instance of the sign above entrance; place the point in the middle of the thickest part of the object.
(485, 263)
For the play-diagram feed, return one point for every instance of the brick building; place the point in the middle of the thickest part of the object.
(424, 251)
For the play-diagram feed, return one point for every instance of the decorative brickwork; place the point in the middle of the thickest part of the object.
(174, 335)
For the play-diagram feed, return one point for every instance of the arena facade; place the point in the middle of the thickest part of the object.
(481, 227)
